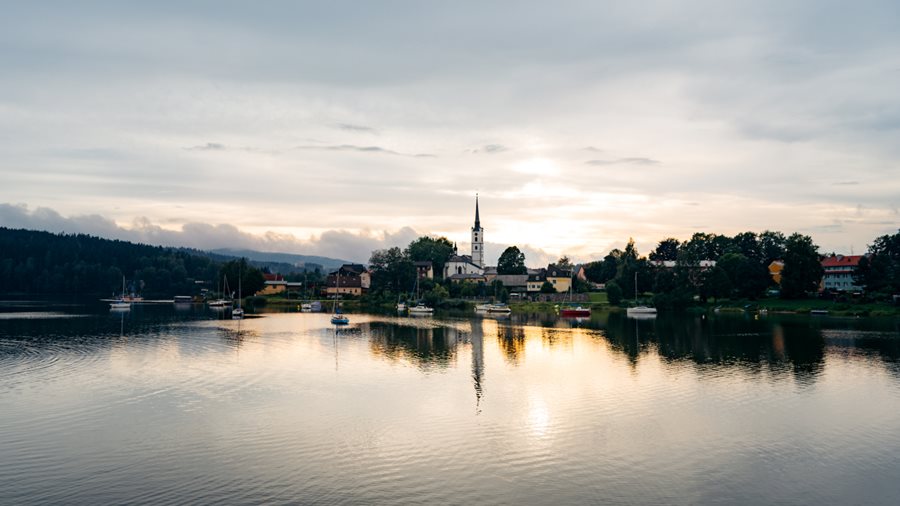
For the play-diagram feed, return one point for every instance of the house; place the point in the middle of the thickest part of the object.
(515, 283)
(274, 283)
(424, 270)
(536, 279)
(838, 273)
(350, 279)
(559, 277)
(775, 269)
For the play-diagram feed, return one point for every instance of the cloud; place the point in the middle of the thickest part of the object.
(846, 183)
(209, 146)
(624, 161)
(364, 149)
(355, 246)
(491, 149)
(356, 128)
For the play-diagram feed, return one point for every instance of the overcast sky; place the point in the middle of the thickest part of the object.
(337, 127)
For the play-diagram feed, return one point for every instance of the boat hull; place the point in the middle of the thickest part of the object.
(575, 312)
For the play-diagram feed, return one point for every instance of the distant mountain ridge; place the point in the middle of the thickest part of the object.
(326, 263)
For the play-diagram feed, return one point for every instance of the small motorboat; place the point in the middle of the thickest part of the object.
(575, 311)
(421, 309)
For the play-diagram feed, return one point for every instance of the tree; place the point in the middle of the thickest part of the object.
(715, 283)
(434, 250)
(602, 271)
(392, 270)
(667, 249)
(548, 287)
(879, 271)
(564, 263)
(242, 274)
(771, 246)
(613, 293)
(512, 261)
(802, 267)
(748, 278)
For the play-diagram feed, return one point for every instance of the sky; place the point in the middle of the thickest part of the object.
(335, 128)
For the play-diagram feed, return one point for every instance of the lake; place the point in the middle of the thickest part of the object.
(170, 406)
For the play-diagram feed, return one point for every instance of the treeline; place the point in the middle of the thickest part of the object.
(679, 273)
(36, 262)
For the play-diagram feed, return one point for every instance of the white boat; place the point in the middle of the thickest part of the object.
(499, 309)
(401, 306)
(640, 310)
(337, 317)
(121, 303)
(421, 309)
(221, 302)
(482, 308)
(238, 313)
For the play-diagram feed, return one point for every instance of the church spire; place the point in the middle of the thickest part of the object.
(477, 219)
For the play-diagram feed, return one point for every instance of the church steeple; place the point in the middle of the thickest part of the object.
(477, 238)
(477, 218)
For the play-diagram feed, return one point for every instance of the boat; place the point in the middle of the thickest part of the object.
(421, 309)
(238, 313)
(401, 306)
(575, 311)
(182, 299)
(120, 303)
(571, 310)
(820, 312)
(499, 309)
(482, 308)
(337, 317)
(221, 301)
(644, 311)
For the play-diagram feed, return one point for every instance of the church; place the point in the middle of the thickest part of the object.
(460, 267)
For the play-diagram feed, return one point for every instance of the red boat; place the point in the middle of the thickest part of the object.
(575, 311)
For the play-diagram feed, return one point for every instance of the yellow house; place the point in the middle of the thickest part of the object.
(775, 269)
(560, 278)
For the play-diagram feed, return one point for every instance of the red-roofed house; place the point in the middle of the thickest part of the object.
(839, 271)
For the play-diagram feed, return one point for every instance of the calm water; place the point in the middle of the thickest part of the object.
(166, 407)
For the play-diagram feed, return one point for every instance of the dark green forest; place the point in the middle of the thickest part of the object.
(34, 262)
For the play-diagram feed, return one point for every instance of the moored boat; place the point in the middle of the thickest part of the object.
(575, 311)
(421, 309)
(640, 310)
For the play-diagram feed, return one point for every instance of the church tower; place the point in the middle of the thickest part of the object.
(477, 239)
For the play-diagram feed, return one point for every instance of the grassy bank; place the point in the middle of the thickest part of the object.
(804, 306)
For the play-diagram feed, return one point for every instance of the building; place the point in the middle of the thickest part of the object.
(536, 279)
(424, 270)
(468, 264)
(274, 283)
(775, 269)
(559, 277)
(514, 283)
(350, 279)
(477, 239)
(838, 273)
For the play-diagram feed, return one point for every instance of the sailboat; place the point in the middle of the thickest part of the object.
(238, 313)
(639, 311)
(221, 301)
(337, 317)
(420, 308)
(570, 310)
(121, 303)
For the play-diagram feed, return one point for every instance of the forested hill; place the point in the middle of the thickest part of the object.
(44, 263)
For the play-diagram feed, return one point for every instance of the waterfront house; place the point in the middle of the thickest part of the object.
(559, 277)
(838, 273)
(350, 279)
(536, 279)
(424, 270)
(274, 283)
